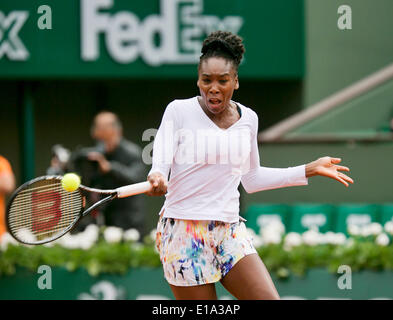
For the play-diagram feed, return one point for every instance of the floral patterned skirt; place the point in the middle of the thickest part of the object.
(196, 252)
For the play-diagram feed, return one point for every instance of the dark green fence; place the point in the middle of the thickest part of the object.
(150, 284)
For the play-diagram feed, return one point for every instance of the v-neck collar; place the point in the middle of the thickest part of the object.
(212, 122)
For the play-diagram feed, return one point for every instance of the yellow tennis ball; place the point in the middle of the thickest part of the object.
(70, 182)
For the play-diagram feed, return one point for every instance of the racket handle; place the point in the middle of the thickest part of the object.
(133, 189)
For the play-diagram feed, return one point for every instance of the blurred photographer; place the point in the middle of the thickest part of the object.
(112, 163)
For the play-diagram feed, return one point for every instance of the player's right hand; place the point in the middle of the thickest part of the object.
(159, 184)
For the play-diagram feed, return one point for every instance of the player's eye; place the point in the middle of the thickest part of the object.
(224, 81)
(206, 80)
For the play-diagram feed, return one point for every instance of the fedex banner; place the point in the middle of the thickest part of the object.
(153, 38)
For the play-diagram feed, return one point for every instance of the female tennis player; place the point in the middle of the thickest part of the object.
(208, 144)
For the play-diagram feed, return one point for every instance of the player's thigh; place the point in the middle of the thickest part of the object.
(201, 292)
(250, 280)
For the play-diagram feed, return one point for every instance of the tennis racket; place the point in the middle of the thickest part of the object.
(40, 210)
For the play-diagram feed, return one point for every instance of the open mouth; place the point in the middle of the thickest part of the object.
(214, 102)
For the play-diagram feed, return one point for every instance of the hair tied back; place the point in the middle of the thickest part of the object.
(218, 44)
(223, 44)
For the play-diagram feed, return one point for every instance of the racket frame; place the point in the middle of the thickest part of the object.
(83, 190)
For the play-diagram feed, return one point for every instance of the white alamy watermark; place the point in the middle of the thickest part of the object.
(344, 282)
(45, 20)
(344, 21)
(44, 282)
(200, 146)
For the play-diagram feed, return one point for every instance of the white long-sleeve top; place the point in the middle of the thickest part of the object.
(207, 163)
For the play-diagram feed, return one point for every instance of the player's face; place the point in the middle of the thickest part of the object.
(217, 79)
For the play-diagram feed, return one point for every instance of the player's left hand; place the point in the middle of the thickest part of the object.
(103, 164)
(328, 167)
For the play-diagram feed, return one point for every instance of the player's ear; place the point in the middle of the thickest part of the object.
(198, 82)
(199, 73)
(236, 82)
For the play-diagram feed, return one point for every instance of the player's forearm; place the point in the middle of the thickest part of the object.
(264, 178)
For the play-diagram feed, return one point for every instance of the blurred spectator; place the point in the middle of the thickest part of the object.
(391, 125)
(60, 157)
(112, 163)
(7, 185)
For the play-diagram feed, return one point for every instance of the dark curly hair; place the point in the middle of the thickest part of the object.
(225, 45)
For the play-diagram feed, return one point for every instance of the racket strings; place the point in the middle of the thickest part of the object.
(37, 188)
(37, 225)
(43, 211)
(46, 202)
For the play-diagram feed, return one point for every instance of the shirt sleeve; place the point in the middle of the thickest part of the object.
(260, 178)
(166, 142)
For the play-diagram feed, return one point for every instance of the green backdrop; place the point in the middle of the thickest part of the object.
(146, 283)
(149, 39)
